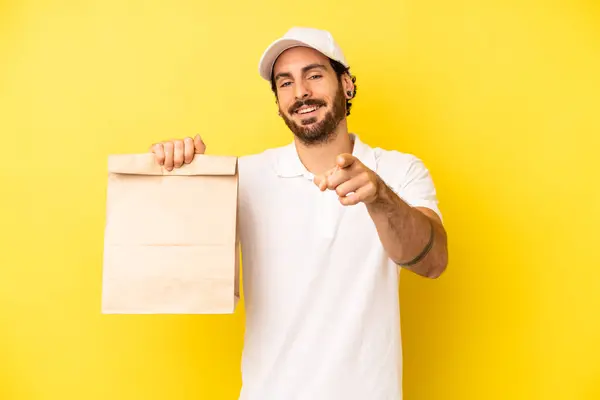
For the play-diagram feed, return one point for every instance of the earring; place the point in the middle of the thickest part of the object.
(349, 93)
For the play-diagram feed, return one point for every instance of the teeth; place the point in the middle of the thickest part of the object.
(307, 110)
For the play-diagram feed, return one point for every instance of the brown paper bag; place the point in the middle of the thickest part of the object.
(171, 240)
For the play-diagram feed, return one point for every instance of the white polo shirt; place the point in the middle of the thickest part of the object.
(321, 295)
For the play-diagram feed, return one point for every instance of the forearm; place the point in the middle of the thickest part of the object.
(405, 232)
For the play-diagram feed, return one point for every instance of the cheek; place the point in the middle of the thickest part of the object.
(327, 95)
(284, 101)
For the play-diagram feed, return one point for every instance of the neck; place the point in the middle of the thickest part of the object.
(319, 158)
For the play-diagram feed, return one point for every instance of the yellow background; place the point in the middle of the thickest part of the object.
(500, 99)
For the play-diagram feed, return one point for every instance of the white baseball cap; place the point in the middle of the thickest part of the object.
(317, 39)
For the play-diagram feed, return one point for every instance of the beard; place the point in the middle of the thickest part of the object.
(311, 132)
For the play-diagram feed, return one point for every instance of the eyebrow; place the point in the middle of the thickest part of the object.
(304, 70)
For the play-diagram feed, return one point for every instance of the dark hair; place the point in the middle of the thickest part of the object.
(339, 70)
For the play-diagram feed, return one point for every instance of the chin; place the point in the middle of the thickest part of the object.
(309, 121)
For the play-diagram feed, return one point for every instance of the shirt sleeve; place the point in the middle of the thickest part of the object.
(417, 187)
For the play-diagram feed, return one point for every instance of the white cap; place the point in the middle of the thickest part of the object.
(317, 39)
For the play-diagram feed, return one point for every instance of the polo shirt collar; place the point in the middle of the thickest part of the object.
(288, 164)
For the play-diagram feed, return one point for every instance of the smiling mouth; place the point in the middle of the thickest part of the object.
(308, 110)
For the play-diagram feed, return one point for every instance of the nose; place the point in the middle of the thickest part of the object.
(302, 91)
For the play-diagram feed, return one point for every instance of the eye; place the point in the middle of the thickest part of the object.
(284, 84)
(316, 76)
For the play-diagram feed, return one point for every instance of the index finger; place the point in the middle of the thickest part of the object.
(318, 180)
(321, 179)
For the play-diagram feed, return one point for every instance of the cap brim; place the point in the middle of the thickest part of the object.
(267, 61)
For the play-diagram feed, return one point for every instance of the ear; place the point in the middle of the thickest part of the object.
(347, 85)
(277, 104)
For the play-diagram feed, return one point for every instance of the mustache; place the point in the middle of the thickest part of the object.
(308, 102)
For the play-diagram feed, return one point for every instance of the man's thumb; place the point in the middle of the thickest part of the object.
(345, 160)
(199, 146)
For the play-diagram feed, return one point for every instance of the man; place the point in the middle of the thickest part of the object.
(326, 222)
